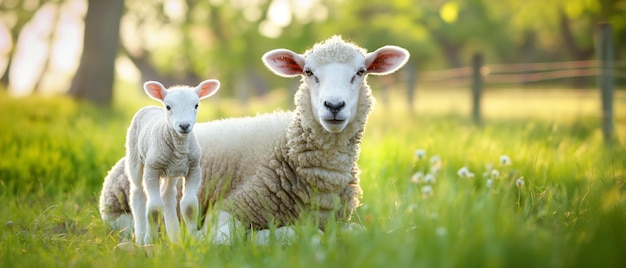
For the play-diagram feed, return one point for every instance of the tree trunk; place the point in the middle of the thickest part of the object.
(451, 50)
(94, 79)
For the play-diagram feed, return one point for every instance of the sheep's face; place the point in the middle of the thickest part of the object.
(181, 108)
(335, 73)
(181, 103)
(334, 90)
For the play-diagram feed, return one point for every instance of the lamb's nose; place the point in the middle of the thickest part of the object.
(334, 107)
(184, 127)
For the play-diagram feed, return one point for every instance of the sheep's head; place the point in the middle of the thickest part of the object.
(335, 72)
(181, 102)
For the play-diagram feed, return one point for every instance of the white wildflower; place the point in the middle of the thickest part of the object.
(489, 183)
(470, 175)
(427, 190)
(495, 174)
(463, 172)
(505, 160)
(435, 160)
(430, 178)
(520, 182)
(417, 177)
(435, 169)
(420, 154)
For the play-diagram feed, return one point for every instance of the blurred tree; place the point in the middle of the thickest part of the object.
(560, 29)
(94, 78)
(184, 41)
(56, 6)
(14, 14)
(187, 41)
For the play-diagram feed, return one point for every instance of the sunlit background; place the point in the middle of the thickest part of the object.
(522, 79)
(178, 41)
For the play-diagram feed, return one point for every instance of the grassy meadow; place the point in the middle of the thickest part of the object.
(570, 210)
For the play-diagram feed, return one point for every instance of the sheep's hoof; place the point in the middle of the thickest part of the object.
(134, 249)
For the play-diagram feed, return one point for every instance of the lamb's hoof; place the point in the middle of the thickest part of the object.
(134, 249)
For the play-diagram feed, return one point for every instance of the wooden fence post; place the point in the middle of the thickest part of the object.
(477, 87)
(604, 50)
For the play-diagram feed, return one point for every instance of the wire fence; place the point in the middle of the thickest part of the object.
(522, 73)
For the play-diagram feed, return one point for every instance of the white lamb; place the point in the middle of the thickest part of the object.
(160, 145)
(276, 168)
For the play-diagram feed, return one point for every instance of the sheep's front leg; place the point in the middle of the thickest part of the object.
(170, 214)
(155, 202)
(189, 201)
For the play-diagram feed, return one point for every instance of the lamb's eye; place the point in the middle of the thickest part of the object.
(308, 72)
(361, 72)
(196, 106)
(168, 107)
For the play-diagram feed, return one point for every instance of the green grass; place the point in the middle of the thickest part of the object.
(571, 211)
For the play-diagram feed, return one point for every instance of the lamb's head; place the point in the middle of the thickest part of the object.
(335, 72)
(181, 102)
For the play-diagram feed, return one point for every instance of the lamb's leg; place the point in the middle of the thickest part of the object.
(155, 203)
(189, 201)
(170, 214)
(138, 203)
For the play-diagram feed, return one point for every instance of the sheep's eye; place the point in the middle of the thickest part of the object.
(308, 72)
(361, 72)
(196, 106)
(168, 107)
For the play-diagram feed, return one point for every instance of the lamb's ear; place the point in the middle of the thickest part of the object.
(386, 60)
(155, 90)
(284, 62)
(207, 88)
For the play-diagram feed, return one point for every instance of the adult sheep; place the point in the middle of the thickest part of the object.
(277, 167)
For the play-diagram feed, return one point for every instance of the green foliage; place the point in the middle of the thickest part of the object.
(569, 212)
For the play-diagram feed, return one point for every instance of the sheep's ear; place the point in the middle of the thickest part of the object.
(386, 60)
(284, 62)
(207, 88)
(155, 90)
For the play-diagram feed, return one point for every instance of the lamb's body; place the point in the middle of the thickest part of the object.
(154, 152)
(160, 149)
(273, 167)
(167, 152)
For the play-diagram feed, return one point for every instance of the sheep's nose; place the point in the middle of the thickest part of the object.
(184, 127)
(334, 107)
